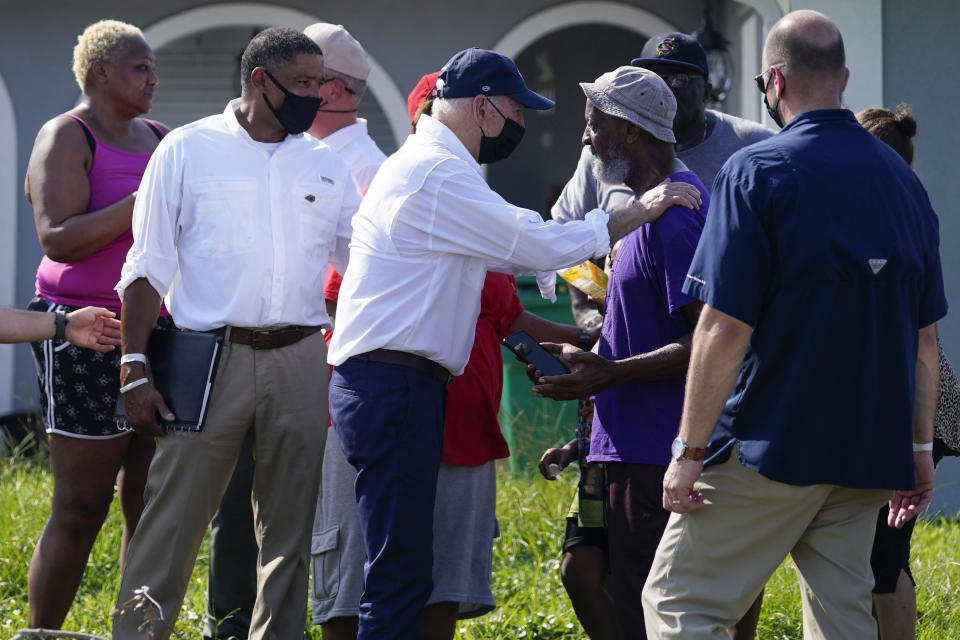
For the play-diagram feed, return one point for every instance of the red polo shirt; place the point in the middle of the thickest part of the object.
(472, 432)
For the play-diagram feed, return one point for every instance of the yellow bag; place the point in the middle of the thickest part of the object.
(587, 277)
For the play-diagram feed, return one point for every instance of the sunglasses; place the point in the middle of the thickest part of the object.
(679, 80)
(761, 80)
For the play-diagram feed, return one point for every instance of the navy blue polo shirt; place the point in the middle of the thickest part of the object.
(823, 240)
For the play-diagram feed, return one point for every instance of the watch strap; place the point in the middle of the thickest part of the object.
(692, 453)
(585, 341)
(60, 325)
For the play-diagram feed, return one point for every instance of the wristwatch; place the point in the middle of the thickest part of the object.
(681, 451)
(585, 340)
(60, 325)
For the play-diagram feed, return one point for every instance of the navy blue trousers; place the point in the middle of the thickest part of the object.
(389, 419)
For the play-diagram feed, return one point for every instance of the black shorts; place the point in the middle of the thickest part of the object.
(891, 546)
(78, 387)
(891, 553)
(576, 536)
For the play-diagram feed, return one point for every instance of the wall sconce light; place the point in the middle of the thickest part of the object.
(718, 57)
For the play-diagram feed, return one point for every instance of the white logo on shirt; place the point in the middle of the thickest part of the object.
(876, 264)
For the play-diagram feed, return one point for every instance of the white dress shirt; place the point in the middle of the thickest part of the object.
(229, 233)
(358, 150)
(422, 239)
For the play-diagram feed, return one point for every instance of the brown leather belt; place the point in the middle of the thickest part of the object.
(413, 361)
(267, 338)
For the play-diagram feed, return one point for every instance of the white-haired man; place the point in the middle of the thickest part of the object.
(423, 239)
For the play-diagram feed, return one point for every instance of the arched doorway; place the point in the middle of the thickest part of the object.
(548, 48)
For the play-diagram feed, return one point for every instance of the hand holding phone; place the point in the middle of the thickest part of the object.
(529, 350)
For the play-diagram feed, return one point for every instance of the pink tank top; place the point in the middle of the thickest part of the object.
(114, 175)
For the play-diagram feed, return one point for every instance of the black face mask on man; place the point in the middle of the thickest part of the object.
(496, 148)
(296, 114)
(774, 111)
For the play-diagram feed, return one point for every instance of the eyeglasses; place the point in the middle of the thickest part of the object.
(343, 82)
(679, 80)
(762, 81)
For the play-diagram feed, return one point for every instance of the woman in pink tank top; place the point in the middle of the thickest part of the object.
(82, 178)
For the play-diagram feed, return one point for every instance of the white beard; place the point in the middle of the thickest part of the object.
(615, 169)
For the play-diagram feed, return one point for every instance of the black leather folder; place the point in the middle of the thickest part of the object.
(183, 365)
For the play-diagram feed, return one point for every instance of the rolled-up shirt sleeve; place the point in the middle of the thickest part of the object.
(474, 220)
(156, 211)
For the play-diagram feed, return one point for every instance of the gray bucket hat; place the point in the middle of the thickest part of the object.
(637, 95)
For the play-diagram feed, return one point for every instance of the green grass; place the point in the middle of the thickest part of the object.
(526, 559)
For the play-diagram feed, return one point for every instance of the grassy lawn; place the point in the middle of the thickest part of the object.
(526, 580)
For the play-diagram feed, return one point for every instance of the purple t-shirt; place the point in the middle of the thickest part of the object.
(637, 421)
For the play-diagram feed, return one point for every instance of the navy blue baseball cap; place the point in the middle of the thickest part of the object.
(674, 48)
(476, 71)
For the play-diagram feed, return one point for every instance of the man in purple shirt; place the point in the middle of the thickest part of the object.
(638, 375)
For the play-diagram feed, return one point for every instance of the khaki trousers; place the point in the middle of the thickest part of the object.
(281, 396)
(712, 563)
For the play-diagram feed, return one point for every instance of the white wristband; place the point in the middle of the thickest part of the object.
(922, 446)
(133, 385)
(133, 357)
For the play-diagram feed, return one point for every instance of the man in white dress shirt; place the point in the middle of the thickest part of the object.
(231, 584)
(236, 221)
(346, 69)
(423, 238)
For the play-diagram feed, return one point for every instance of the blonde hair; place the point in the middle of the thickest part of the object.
(98, 42)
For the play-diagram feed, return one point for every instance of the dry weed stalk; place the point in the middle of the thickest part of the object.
(50, 634)
(149, 609)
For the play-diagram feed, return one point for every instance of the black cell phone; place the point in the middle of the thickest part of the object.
(529, 350)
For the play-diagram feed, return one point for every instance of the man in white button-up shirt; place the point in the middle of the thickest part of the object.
(346, 67)
(423, 239)
(231, 587)
(236, 220)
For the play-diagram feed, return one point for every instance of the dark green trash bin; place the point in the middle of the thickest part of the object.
(531, 424)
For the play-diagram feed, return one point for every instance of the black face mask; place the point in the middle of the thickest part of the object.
(774, 111)
(496, 148)
(296, 114)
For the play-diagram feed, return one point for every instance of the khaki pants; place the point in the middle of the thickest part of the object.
(712, 563)
(281, 396)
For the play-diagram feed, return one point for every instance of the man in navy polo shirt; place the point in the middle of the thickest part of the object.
(815, 352)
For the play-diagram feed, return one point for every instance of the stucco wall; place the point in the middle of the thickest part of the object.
(406, 38)
(917, 51)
